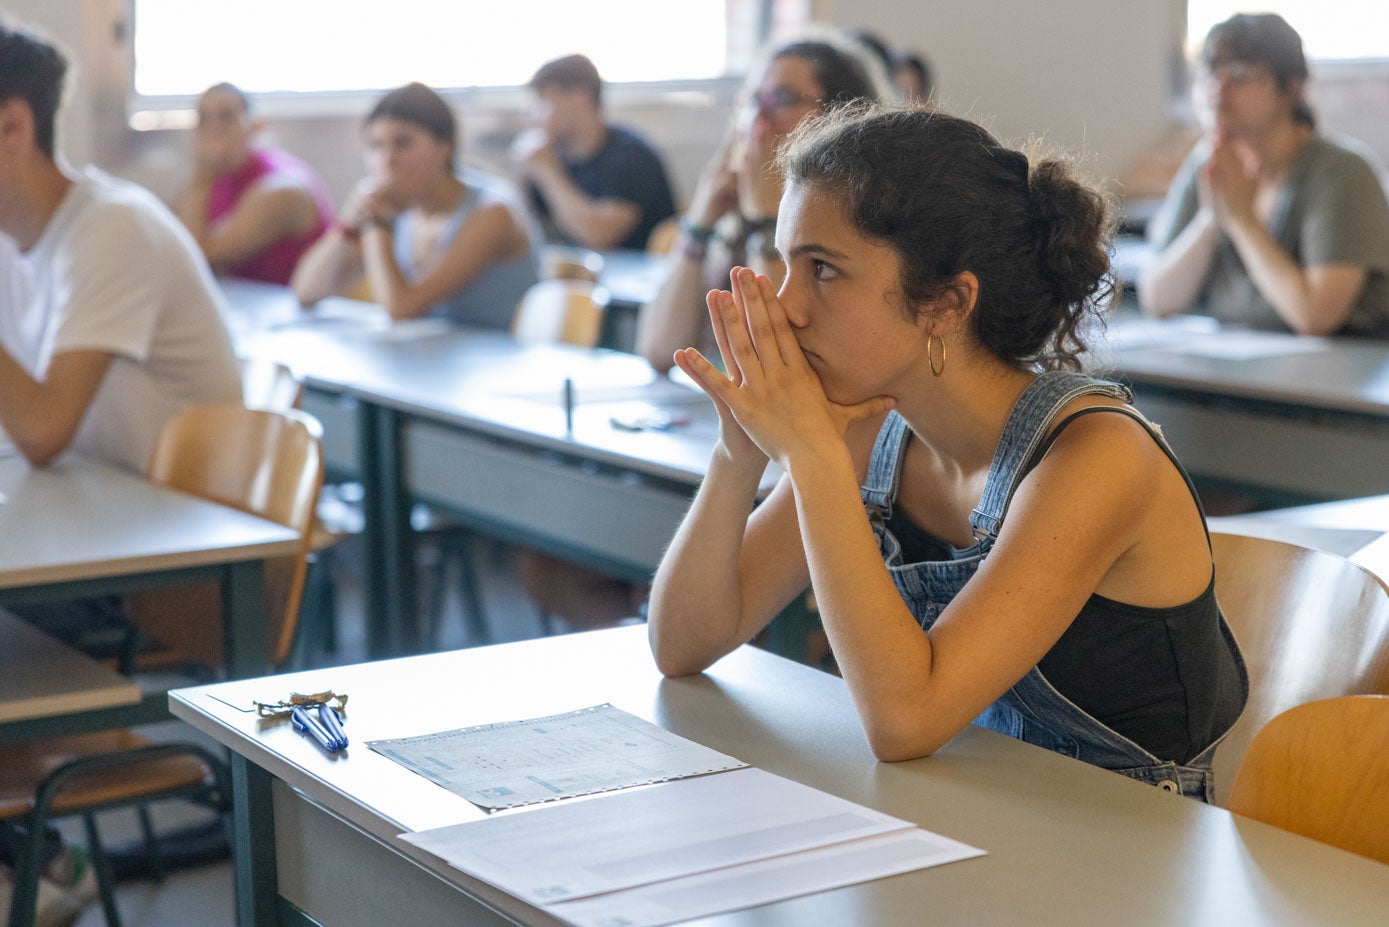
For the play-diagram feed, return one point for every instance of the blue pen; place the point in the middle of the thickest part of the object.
(304, 722)
(333, 724)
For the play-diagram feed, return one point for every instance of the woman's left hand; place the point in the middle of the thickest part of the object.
(770, 388)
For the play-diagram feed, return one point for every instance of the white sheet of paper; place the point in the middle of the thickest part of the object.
(514, 763)
(636, 838)
(1241, 345)
(765, 881)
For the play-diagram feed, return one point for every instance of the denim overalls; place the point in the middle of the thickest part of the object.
(1032, 710)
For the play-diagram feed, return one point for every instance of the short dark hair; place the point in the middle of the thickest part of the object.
(419, 105)
(570, 73)
(949, 198)
(231, 90)
(1265, 39)
(840, 73)
(32, 70)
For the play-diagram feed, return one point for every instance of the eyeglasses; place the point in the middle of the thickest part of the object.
(1234, 73)
(778, 100)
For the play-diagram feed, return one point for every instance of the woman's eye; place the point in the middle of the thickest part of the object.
(823, 271)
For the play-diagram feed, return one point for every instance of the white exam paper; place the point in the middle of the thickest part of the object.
(765, 881)
(514, 763)
(676, 829)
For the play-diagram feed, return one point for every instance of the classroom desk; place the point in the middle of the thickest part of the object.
(1304, 419)
(1357, 529)
(1068, 844)
(44, 677)
(475, 423)
(79, 528)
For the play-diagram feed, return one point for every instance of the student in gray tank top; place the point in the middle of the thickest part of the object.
(991, 536)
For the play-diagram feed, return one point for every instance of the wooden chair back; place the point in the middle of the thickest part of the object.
(268, 464)
(663, 235)
(563, 311)
(1310, 624)
(564, 262)
(269, 385)
(1322, 770)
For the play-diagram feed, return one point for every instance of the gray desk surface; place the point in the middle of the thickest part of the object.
(486, 382)
(45, 677)
(1328, 374)
(1068, 844)
(1357, 529)
(80, 520)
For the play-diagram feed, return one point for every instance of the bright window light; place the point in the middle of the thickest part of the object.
(268, 46)
(1331, 30)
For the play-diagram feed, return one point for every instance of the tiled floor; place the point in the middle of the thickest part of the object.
(202, 896)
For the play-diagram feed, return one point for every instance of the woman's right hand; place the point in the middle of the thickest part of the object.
(733, 439)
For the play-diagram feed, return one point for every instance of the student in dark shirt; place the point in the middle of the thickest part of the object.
(596, 185)
(991, 535)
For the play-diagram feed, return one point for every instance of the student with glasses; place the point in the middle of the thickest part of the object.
(732, 215)
(1269, 224)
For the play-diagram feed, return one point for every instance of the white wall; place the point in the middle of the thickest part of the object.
(1089, 74)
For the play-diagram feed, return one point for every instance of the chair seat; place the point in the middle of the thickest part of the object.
(24, 764)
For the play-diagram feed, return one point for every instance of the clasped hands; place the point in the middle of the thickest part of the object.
(771, 403)
(1228, 183)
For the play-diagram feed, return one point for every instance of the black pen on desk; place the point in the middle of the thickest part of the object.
(569, 405)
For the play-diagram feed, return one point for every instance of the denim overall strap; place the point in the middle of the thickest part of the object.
(879, 489)
(1024, 432)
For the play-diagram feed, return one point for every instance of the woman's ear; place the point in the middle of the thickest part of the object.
(955, 304)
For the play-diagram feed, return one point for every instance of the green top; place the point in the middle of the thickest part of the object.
(1331, 210)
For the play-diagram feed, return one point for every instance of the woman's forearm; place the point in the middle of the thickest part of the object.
(697, 612)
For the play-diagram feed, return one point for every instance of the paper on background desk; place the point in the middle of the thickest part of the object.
(686, 848)
(580, 752)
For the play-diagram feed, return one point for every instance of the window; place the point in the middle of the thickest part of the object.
(1331, 30)
(304, 46)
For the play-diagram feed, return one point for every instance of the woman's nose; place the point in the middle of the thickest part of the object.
(794, 313)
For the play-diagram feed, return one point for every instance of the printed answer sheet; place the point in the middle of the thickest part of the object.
(685, 848)
(580, 752)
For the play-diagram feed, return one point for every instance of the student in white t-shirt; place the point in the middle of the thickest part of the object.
(110, 321)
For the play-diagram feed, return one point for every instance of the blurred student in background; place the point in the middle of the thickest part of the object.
(254, 210)
(432, 240)
(595, 185)
(731, 219)
(1269, 224)
(912, 75)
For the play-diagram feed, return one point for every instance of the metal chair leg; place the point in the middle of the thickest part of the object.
(105, 883)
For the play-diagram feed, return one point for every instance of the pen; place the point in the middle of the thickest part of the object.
(333, 724)
(568, 397)
(304, 722)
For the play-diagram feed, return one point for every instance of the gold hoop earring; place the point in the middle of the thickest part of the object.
(931, 355)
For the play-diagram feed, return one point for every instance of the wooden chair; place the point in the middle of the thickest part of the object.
(564, 311)
(1310, 625)
(1322, 770)
(564, 262)
(265, 463)
(663, 235)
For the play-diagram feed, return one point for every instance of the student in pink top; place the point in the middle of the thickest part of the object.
(253, 210)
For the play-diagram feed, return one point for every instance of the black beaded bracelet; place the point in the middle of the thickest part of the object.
(695, 232)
